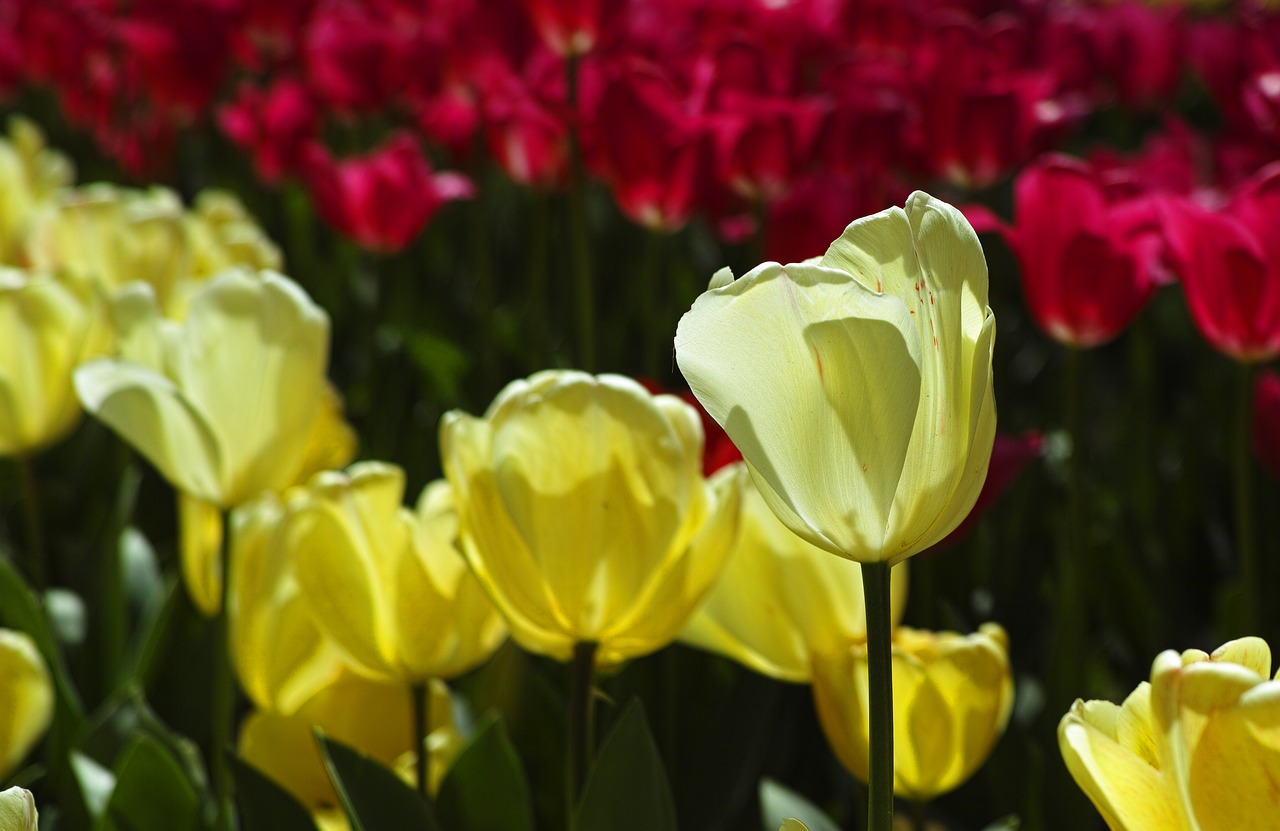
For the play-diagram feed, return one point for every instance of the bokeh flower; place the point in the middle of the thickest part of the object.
(26, 699)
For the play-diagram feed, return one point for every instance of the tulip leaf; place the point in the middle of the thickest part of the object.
(778, 802)
(264, 805)
(20, 610)
(373, 797)
(152, 792)
(485, 788)
(627, 788)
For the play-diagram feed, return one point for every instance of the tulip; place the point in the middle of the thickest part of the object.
(48, 325)
(389, 587)
(272, 124)
(18, 810)
(780, 600)
(222, 404)
(1088, 263)
(26, 699)
(372, 717)
(30, 176)
(952, 698)
(584, 513)
(858, 387)
(567, 27)
(224, 235)
(1196, 748)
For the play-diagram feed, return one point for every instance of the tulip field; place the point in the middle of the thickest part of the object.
(597, 415)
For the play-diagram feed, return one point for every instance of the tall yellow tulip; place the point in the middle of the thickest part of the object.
(387, 586)
(1196, 749)
(780, 599)
(222, 404)
(952, 698)
(48, 325)
(858, 386)
(26, 699)
(584, 512)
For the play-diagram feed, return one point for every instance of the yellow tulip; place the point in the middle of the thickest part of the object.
(222, 235)
(332, 444)
(780, 599)
(374, 718)
(48, 325)
(30, 175)
(281, 654)
(112, 236)
(952, 695)
(1198, 748)
(390, 588)
(26, 699)
(585, 514)
(857, 386)
(18, 810)
(223, 404)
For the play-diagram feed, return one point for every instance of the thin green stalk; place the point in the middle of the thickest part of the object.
(653, 333)
(919, 815)
(33, 561)
(580, 738)
(1071, 615)
(485, 297)
(421, 725)
(223, 694)
(875, 589)
(540, 349)
(1245, 547)
(578, 233)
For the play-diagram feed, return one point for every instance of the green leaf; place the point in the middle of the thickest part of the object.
(486, 789)
(115, 725)
(374, 798)
(778, 802)
(627, 788)
(19, 609)
(264, 805)
(152, 793)
(1010, 823)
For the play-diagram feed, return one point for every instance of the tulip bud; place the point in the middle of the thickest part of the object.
(780, 600)
(1196, 748)
(952, 696)
(584, 512)
(26, 699)
(858, 387)
(18, 810)
(48, 325)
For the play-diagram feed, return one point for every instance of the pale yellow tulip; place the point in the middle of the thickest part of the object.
(585, 514)
(18, 810)
(374, 718)
(222, 235)
(390, 588)
(26, 699)
(780, 599)
(952, 696)
(857, 386)
(1198, 748)
(223, 404)
(48, 325)
(31, 174)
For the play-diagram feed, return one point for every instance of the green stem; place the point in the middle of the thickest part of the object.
(1071, 616)
(875, 589)
(485, 297)
(421, 726)
(919, 815)
(540, 350)
(1244, 501)
(759, 241)
(224, 693)
(653, 333)
(578, 234)
(33, 561)
(581, 727)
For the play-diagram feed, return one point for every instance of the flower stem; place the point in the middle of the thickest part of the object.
(578, 239)
(224, 692)
(919, 815)
(875, 588)
(1071, 615)
(421, 725)
(580, 739)
(540, 349)
(33, 565)
(1244, 502)
(650, 286)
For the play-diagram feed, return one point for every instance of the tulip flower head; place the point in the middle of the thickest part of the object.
(952, 696)
(18, 810)
(1196, 749)
(26, 699)
(584, 513)
(781, 599)
(857, 386)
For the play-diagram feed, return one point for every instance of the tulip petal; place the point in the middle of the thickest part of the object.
(1236, 766)
(200, 537)
(154, 417)
(26, 699)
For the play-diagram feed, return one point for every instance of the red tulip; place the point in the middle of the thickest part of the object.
(567, 27)
(1229, 264)
(273, 124)
(1266, 420)
(384, 199)
(1088, 261)
(1141, 50)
